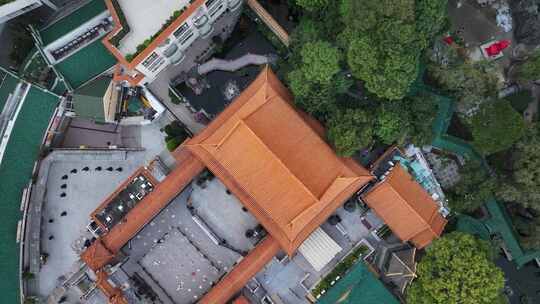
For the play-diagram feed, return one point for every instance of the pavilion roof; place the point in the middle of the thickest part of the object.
(406, 208)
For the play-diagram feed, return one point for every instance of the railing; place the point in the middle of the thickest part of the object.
(269, 21)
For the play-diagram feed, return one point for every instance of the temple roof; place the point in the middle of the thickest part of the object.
(276, 163)
(406, 208)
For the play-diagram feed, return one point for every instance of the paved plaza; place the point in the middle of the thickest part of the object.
(70, 198)
(173, 235)
(224, 214)
(290, 279)
(189, 273)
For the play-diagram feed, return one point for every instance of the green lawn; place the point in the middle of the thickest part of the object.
(70, 22)
(86, 64)
(15, 172)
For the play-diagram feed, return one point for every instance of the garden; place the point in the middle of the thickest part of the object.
(341, 269)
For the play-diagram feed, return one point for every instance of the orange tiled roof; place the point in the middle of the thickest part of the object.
(272, 159)
(114, 295)
(102, 251)
(241, 300)
(275, 163)
(243, 272)
(97, 255)
(406, 208)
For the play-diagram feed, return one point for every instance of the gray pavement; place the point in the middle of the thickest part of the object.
(224, 214)
(289, 280)
(478, 26)
(83, 191)
(193, 273)
(174, 234)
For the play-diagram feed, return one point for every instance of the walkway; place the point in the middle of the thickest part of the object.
(498, 222)
(233, 65)
(270, 21)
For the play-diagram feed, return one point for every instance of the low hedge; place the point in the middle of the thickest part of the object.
(340, 270)
(115, 40)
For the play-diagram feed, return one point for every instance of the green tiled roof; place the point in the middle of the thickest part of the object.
(70, 22)
(86, 64)
(358, 286)
(500, 223)
(88, 100)
(15, 172)
(7, 86)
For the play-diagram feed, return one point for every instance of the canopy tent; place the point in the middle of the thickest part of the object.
(319, 249)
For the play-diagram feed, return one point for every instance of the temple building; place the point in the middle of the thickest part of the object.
(277, 179)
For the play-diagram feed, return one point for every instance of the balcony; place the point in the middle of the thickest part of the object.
(171, 50)
(234, 4)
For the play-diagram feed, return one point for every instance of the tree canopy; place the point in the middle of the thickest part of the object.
(523, 186)
(392, 122)
(530, 69)
(384, 39)
(457, 268)
(312, 5)
(422, 111)
(473, 189)
(350, 130)
(472, 84)
(496, 127)
(320, 61)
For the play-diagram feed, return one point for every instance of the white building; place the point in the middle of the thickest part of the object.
(195, 20)
(18, 7)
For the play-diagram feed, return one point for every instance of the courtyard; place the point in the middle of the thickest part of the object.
(76, 184)
(246, 39)
(175, 255)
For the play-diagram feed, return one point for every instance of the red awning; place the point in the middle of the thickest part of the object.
(497, 47)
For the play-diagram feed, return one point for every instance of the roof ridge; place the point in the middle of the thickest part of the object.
(379, 186)
(428, 223)
(241, 121)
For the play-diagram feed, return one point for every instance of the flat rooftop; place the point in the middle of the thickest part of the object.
(123, 201)
(137, 13)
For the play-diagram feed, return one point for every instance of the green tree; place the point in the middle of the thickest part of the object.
(173, 143)
(530, 69)
(474, 188)
(472, 84)
(315, 81)
(384, 40)
(320, 62)
(318, 100)
(312, 5)
(523, 185)
(392, 122)
(496, 127)
(457, 268)
(422, 112)
(350, 130)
